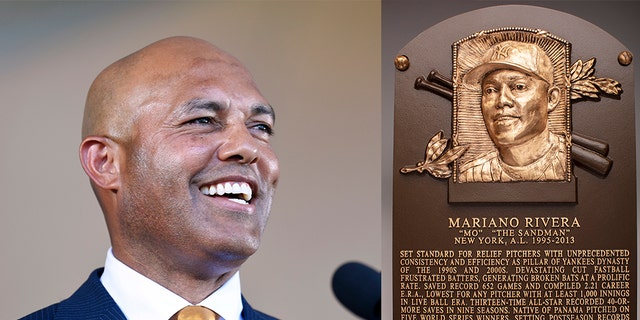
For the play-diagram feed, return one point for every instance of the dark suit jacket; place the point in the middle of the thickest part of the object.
(92, 301)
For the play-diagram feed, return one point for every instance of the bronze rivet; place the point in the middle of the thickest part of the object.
(402, 62)
(625, 58)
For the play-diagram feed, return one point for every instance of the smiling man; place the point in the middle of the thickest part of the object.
(518, 93)
(176, 146)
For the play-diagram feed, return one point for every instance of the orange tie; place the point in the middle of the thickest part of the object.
(195, 313)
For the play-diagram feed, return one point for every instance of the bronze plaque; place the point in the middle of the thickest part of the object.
(514, 191)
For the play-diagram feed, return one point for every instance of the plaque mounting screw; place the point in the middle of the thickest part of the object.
(625, 58)
(402, 62)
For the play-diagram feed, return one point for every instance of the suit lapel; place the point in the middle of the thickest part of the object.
(90, 301)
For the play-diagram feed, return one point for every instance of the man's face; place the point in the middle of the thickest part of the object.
(199, 171)
(514, 106)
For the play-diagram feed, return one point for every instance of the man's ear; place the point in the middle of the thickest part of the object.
(554, 98)
(99, 157)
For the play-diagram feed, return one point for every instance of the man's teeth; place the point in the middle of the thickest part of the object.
(240, 188)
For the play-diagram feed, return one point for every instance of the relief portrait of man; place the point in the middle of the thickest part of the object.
(518, 94)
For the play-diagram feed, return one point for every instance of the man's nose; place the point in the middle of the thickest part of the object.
(506, 97)
(239, 145)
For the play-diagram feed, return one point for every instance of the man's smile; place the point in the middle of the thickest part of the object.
(239, 192)
(505, 119)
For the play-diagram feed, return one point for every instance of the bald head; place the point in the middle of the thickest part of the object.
(121, 91)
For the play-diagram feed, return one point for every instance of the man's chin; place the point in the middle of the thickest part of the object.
(506, 142)
(234, 256)
(240, 248)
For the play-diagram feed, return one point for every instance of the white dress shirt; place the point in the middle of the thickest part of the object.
(140, 298)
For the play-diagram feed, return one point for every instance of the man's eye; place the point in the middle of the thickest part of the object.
(264, 128)
(520, 87)
(490, 90)
(203, 120)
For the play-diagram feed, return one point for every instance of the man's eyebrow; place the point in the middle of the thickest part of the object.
(264, 109)
(205, 104)
(520, 76)
(197, 104)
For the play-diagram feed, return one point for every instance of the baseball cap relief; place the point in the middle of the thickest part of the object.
(521, 56)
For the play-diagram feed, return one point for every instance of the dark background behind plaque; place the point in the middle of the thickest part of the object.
(404, 20)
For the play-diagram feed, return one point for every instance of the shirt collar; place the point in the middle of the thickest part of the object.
(141, 298)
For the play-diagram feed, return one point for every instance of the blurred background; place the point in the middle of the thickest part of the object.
(318, 63)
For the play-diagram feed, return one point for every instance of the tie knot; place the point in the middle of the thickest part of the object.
(195, 313)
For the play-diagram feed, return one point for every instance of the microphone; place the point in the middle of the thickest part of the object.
(358, 288)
